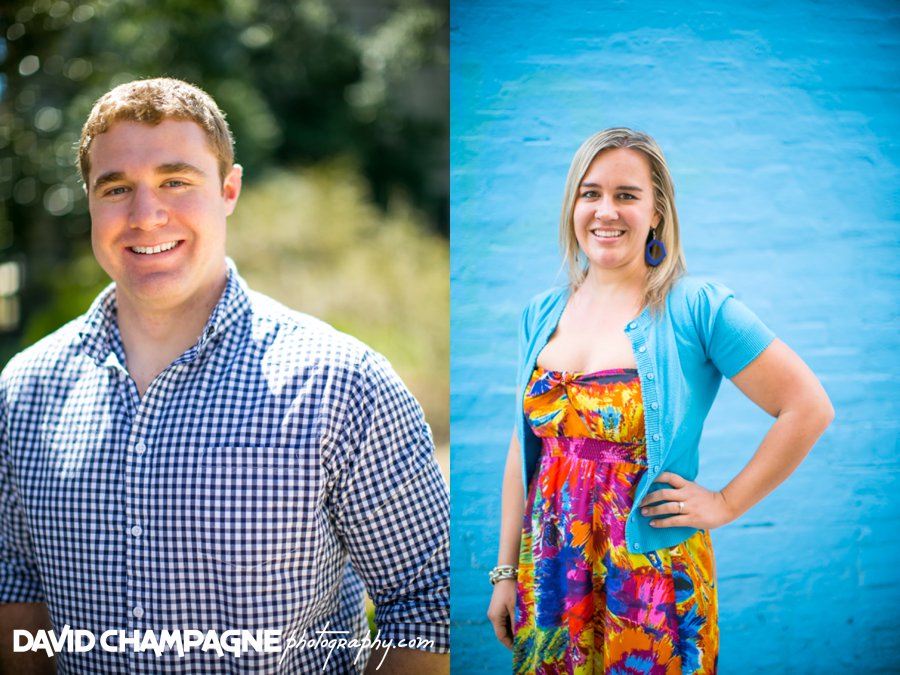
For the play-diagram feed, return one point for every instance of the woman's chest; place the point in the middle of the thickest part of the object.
(587, 346)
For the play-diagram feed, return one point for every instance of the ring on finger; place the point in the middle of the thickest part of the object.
(680, 507)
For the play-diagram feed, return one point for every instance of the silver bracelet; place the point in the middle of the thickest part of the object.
(501, 572)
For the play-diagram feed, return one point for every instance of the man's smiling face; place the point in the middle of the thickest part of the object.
(158, 210)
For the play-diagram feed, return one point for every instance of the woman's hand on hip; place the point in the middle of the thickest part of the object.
(502, 611)
(686, 504)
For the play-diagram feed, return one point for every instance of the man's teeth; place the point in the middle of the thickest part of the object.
(149, 250)
(608, 234)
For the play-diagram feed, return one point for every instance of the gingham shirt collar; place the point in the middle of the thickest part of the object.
(101, 340)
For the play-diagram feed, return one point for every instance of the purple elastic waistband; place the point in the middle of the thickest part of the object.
(596, 449)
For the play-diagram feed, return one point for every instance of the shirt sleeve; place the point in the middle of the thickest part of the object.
(19, 576)
(392, 509)
(732, 334)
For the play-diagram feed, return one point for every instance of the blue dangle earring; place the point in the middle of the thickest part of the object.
(654, 260)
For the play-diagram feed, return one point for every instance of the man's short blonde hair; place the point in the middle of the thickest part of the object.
(151, 102)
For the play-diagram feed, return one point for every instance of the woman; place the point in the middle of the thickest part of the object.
(613, 570)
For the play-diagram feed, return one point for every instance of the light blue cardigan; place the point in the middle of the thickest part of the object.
(702, 333)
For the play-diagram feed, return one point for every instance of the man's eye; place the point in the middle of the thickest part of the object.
(116, 191)
(175, 182)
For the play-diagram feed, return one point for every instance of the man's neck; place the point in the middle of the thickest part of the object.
(154, 337)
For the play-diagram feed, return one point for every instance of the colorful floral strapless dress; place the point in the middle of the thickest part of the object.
(585, 603)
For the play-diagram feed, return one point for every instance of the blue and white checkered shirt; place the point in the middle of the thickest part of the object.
(266, 476)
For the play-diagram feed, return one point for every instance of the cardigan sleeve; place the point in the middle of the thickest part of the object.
(524, 336)
(731, 333)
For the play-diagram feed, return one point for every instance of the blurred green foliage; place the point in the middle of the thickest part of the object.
(302, 82)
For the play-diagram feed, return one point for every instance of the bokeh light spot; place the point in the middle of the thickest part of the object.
(29, 65)
(25, 190)
(15, 31)
(48, 119)
(78, 69)
(58, 199)
(82, 13)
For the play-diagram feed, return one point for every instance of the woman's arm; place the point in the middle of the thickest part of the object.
(502, 610)
(780, 383)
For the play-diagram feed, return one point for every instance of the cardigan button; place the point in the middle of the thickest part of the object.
(650, 376)
(642, 349)
(654, 405)
(632, 325)
(636, 546)
(655, 437)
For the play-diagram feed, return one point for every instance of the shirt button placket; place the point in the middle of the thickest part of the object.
(133, 530)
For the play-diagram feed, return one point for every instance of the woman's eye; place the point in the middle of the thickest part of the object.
(589, 194)
(626, 196)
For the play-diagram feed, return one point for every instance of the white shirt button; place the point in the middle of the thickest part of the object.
(137, 612)
(140, 448)
(137, 530)
(654, 405)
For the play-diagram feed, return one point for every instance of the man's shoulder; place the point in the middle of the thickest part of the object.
(48, 354)
(294, 337)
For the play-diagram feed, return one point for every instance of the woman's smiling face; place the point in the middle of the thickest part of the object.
(615, 209)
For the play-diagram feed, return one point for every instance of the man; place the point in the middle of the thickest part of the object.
(192, 456)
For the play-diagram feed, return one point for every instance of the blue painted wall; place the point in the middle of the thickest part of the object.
(780, 122)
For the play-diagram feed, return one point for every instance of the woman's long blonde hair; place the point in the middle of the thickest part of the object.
(660, 278)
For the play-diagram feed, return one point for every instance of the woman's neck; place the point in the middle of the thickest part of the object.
(619, 286)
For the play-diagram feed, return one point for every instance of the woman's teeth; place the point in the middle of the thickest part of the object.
(607, 234)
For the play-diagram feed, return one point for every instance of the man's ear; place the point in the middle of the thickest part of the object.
(231, 188)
